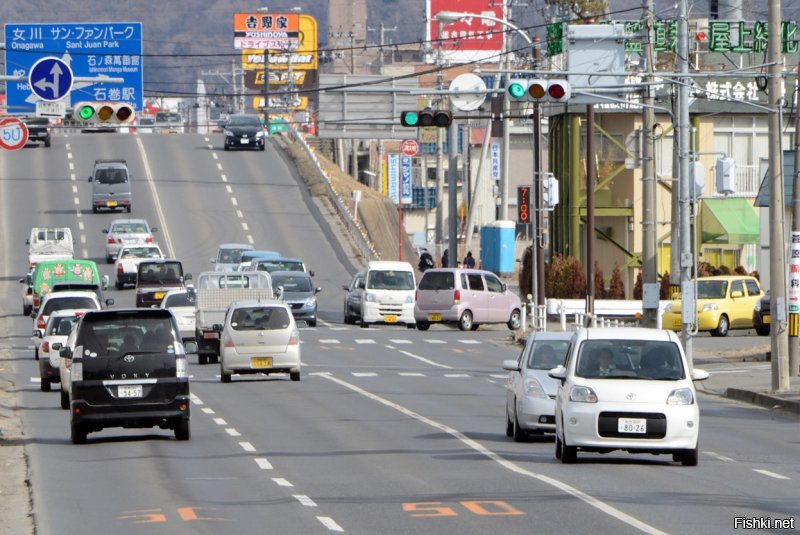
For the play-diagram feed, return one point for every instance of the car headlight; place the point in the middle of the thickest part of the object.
(311, 301)
(668, 308)
(260, 133)
(757, 308)
(582, 394)
(681, 396)
(409, 299)
(372, 298)
(228, 133)
(709, 307)
(534, 389)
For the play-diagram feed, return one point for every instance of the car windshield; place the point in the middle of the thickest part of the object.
(244, 120)
(248, 256)
(111, 176)
(167, 272)
(66, 303)
(260, 318)
(146, 121)
(120, 336)
(61, 325)
(230, 256)
(714, 289)
(279, 265)
(140, 252)
(630, 359)
(390, 280)
(438, 280)
(292, 284)
(166, 117)
(129, 228)
(547, 354)
(179, 300)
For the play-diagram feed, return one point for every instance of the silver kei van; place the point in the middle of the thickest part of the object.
(466, 297)
(111, 185)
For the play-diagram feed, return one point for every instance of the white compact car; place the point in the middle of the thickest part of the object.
(530, 391)
(259, 337)
(127, 232)
(55, 335)
(182, 304)
(627, 389)
(128, 259)
(71, 300)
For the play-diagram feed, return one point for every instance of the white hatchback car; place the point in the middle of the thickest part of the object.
(259, 337)
(126, 232)
(182, 304)
(69, 300)
(627, 389)
(530, 391)
(55, 335)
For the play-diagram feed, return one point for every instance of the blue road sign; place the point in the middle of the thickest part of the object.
(90, 49)
(50, 79)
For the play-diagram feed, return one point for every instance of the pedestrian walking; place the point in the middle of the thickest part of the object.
(469, 261)
(445, 258)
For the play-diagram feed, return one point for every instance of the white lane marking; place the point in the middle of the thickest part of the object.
(470, 341)
(207, 141)
(219, 166)
(239, 214)
(498, 376)
(214, 155)
(68, 146)
(234, 201)
(364, 341)
(69, 156)
(436, 341)
(85, 252)
(364, 374)
(164, 230)
(455, 375)
(330, 523)
(71, 166)
(305, 500)
(228, 188)
(426, 361)
(395, 341)
(245, 227)
(250, 239)
(83, 238)
(78, 213)
(770, 474)
(233, 432)
(246, 446)
(208, 410)
(509, 465)
(387, 346)
(720, 457)
(263, 463)
(80, 225)
(220, 421)
(196, 400)
(210, 146)
(411, 374)
(36, 379)
(224, 178)
(281, 482)
(74, 189)
(328, 341)
(72, 177)
(76, 200)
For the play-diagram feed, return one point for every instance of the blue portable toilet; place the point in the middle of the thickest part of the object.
(497, 247)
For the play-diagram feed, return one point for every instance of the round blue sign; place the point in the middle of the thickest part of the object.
(50, 79)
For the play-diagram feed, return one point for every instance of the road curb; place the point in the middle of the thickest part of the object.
(763, 400)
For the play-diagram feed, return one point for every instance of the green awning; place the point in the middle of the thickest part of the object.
(731, 221)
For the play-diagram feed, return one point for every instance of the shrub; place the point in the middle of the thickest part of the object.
(637, 287)
(663, 291)
(599, 284)
(616, 288)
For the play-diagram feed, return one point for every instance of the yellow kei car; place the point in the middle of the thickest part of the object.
(724, 302)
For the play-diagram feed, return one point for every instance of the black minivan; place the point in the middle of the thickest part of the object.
(128, 369)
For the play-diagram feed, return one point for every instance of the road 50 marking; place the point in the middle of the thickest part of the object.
(150, 516)
(479, 507)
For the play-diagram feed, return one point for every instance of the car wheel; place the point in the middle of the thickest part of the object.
(44, 386)
(515, 321)
(688, 457)
(294, 376)
(94, 209)
(364, 324)
(128, 208)
(569, 454)
(262, 147)
(465, 321)
(183, 430)
(509, 425)
(423, 325)
(36, 354)
(118, 285)
(213, 358)
(226, 147)
(519, 434)
(558, 448)
(26, 310)
(312, 323)
(722, 327)
(47, 142)
(202, 358)
(109, 259)
(225, 377)
(77, 432)
(763, 330)
(64, 400)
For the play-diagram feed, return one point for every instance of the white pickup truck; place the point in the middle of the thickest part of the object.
(214, 292)
(49, 243)
(129, 258)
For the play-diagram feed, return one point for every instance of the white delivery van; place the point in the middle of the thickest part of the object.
(389, 289)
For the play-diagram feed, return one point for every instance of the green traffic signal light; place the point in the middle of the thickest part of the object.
(409, 118)
(86, 112)
(516, 90)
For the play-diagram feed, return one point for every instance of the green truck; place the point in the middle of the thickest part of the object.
(50, 272)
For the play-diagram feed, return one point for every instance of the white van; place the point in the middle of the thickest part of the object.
(389, 289)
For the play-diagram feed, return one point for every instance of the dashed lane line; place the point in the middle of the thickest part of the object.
(305, 500)
(263, 463)
(220, 421)
(426, 361)
(233, 432)
(208, 410)
(770, 474)
(720, 457)
(364, 341)
(281, 482)
(246, 446)
(330, 523)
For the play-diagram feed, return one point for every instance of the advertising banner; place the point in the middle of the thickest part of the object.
(394, 177)
(470, 38)
(266, 31)
(406, 196)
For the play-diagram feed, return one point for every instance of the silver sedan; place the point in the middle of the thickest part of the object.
(127, 232)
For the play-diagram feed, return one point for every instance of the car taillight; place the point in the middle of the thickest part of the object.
(120, 271)
(111, 240)
(77, 370)
(457, 296)
(149, 239)
(35, 300)
(294, 339)
(40, 323)
(180, 368)
(45, 347)
(229, 342)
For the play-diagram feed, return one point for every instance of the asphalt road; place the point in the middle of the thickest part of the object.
(390, 430)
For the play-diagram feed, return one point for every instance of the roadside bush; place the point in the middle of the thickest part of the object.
(616, 288)
(599, 284)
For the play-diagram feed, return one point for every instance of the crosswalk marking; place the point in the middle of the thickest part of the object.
(364, 374)
(470, 341)
(436, 341)
(365, 341)
(452, 375)
(401, 341)
(329, 341)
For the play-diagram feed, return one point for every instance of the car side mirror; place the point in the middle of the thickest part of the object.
(345, 287)
(559, 372)
(217, 328)
(27, 241)
(33, 314)
(504, 287)
(57, 346)
(279, 292)
(65, 352)
(736, 294)
(212, 260)
(190, 346)
(700, 375)
(317, 289)
(109, 302)
(154, 229)
(37, 333)
(511, 365)
(22, 280)
(90, 178)
(187, 277)
(311, 273)
(104, 231)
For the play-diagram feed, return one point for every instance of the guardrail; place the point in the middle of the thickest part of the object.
(358, 233)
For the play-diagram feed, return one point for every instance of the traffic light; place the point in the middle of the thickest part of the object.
(103, 112)
(426, 117)
(549, 191)
(555, 90)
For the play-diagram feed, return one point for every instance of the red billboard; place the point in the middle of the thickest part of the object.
(470, 38)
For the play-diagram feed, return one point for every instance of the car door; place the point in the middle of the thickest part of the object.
(477, 299)
(356, 294)
(741, 314)
(516, 379)
(754, 294)
(496, 299)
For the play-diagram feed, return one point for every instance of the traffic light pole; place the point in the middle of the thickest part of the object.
(452, 191)
(266, 90)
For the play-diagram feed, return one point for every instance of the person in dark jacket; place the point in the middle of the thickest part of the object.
(469, 261)
(445, 258)
(425, 261)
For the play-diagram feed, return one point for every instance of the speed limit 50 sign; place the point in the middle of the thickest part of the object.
(13, 133)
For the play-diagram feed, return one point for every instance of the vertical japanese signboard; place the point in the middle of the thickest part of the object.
(394, 178)
(91, 49)
(470, 38)
(406, 194)
(494, 149)
(794, 276)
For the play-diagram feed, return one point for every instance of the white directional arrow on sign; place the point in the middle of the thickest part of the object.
(43, 84)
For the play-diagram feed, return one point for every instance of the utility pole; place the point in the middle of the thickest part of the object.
(794, 314)
(590, 182)
(504, 177)
(537, 221)
(382, 29)
(777, 263)
(452, 190)
(440, 152)
(649, 223)
(266, 89)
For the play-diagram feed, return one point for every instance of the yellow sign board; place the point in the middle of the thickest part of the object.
(277, 102)
(303, 58)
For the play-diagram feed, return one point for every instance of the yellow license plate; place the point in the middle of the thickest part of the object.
(434, 317)
(261, 362)
(159, 295)
(111, 203)
(390, 319)
(765, 319)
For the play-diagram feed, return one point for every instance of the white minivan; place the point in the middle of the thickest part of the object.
(388, 295)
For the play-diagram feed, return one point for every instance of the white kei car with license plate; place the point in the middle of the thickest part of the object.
(259, 337)
(627, 389)
(128, 259)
